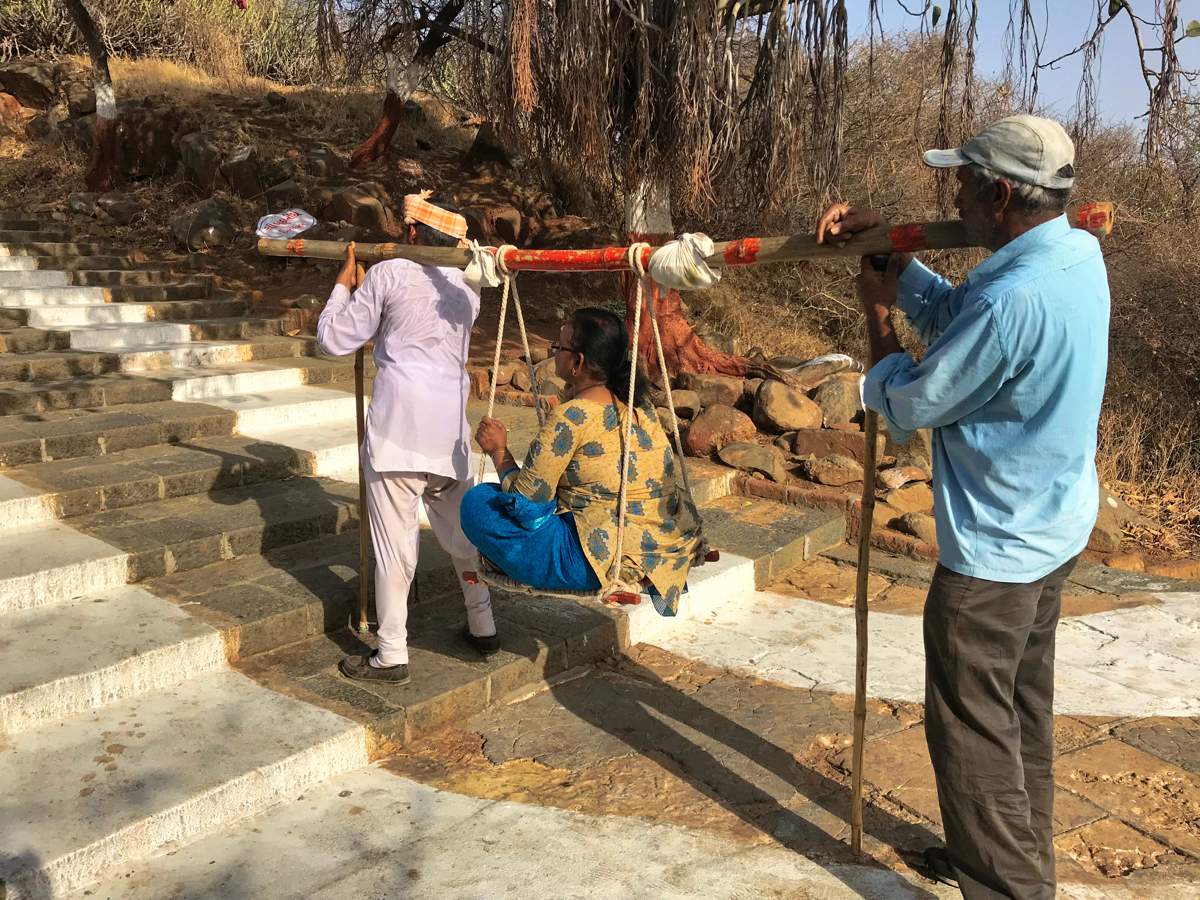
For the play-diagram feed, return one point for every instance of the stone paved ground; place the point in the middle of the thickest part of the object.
(664, 739)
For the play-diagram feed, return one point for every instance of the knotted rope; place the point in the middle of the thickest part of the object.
(666, 376)
(634, 258)
(509, 286)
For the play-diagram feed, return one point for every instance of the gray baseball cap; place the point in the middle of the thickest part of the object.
(1030, 149)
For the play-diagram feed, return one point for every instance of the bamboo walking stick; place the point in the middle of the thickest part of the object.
(865, 520)
(364, 513)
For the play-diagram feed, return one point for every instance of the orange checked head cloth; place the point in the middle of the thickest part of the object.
(419, 209)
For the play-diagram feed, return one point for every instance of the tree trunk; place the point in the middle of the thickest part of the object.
(100, 174)
(400, 85)
(648, 218)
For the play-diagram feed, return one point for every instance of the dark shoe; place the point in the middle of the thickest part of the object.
(360, 669)
(484, 646)
(936, 866)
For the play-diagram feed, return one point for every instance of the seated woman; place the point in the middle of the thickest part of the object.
(552, 524)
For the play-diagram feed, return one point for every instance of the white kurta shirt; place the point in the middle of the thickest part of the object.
(420, 318)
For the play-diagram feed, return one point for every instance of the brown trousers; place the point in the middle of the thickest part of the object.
(989, 699)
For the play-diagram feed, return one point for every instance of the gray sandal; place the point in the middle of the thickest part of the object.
(360, 669)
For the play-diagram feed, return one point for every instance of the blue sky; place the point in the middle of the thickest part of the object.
(1065, 23)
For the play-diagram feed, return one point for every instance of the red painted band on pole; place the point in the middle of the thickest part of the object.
(907, 238)
(296, 247)
(742, 252)
(603, 259)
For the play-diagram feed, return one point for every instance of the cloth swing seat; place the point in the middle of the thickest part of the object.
(617, 590)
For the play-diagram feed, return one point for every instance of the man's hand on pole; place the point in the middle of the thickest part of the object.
(348, 277)
(842, 221)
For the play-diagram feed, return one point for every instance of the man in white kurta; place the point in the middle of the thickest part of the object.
(417, 440)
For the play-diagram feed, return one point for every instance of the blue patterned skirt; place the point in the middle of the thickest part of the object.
(526, 540)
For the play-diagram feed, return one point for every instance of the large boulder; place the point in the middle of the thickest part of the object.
(1113, 517)
(913, 497)
(242, 170)
(916, 451)
(83, 203)
(716, 427)
(779, 408)
(119, 207)
(201, 158)
(824, 442)
(896, 477)
(834, 471)
(81, 98)
(687, 404)
(284, 195)
(756, 459)
(323, 161)
(713, 390)
(11, 110)
(520, 379)
(840, 401)
(33, 82)
(919, 525)
(209, 223)
(359, 205)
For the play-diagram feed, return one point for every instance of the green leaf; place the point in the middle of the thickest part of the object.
(1193, 29)
(937, 15)
(1114, 7)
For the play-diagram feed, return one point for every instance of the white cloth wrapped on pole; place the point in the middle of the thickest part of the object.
(482, 271)
(681, 264)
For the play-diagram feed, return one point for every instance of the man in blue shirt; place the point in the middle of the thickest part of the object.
(1011, 384)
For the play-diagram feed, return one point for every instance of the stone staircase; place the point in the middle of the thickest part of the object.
(178, 563)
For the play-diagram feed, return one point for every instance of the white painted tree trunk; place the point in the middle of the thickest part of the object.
(648, 207)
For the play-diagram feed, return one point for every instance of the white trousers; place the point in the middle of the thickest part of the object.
(393, 499)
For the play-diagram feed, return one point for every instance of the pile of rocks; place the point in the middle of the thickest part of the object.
(805, 436)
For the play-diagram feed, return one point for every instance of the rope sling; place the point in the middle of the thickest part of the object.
(617, 589)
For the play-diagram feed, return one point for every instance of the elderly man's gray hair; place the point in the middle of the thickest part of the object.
(1026, 198)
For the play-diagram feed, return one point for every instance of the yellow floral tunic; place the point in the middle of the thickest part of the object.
(576, 459)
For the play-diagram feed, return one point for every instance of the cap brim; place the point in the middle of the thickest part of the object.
(945, 159)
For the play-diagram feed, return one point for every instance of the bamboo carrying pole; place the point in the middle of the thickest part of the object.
(1096, 218)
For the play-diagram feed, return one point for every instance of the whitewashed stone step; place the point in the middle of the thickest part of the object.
(193, 355)
(108, 788)
(249, 379)
(330, 448)
(37, 296)
(258, 414)
(78, 315)
(21, 505)
(50, 563)
(119, 337)
(373, 834)
(66, 659)
(28, 278)
(18, 263)
(710, 587)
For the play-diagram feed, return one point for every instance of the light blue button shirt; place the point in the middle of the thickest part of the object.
(1011, 385)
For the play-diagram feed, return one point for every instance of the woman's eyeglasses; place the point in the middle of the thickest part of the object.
(559, 348)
